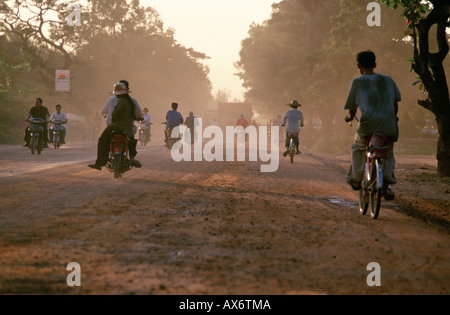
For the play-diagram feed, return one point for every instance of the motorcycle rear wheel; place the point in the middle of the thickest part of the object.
(56, 141)
(117, 166)
(32, 144)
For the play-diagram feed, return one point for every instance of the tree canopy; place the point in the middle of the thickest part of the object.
(307, 52)
(116, 40)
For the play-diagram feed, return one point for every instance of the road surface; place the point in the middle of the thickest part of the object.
(205, 228)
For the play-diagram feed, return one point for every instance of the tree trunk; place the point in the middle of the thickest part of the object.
(429, 66)
(443, 146)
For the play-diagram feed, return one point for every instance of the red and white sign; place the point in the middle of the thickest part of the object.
(62, 81)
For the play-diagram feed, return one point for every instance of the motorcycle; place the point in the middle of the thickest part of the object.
(144, 133)
(119, 156)
(36, 132)
(57, 130)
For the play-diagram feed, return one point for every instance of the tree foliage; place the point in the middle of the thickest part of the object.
(318, 42)
(421, 17)
(116, 40)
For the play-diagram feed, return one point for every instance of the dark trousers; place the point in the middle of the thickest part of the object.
(288, 141)
(104, 143)
(42, 137)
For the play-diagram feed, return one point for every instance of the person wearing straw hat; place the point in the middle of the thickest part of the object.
(123, 117)
(293, 120)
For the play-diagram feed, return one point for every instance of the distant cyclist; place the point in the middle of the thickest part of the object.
(192, 123)
(242, 122)
(293, 120)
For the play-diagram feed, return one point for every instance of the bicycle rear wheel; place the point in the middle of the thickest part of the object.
(363, 201)
(377, 191)
(292, 151)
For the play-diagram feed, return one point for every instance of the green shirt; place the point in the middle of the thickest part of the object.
(375, 95)
(39, 112)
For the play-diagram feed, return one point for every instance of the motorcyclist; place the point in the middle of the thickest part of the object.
(173, 119)
(61, 116)
(123, 117)
(38, 111)
(293, 120)
(108, 109)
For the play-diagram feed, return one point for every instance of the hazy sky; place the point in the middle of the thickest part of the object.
(216, 28)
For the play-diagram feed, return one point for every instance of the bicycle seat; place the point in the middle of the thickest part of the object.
(378, 145)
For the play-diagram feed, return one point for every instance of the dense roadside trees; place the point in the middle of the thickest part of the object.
(116, 40)
(429, 64)
(306, 51)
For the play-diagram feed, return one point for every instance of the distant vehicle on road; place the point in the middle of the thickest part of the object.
(429, 129)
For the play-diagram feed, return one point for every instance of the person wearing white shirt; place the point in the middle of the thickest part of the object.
(61, 116)
(147, 120)
(111, 103)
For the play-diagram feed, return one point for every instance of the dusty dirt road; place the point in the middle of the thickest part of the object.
(215, 228)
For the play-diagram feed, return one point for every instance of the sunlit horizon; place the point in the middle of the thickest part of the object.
(215, 28)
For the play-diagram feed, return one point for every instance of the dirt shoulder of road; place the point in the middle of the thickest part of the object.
(420, 192)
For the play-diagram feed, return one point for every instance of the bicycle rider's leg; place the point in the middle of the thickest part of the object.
(297, 143)
(389, 167)
(64, 131)
(356, 170)
(287, 145)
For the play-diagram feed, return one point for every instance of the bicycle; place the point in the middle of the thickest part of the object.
(292, 137)
(291, 150)
(373, 187)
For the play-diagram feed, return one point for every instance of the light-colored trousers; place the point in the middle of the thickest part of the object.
(356, 171)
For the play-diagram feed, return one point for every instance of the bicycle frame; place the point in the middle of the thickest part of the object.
(373, 183)
(292, 137)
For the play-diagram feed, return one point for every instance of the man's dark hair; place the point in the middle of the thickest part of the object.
(125, 82)
(39, 99)
(366, 59)
(174, 105)
(58, 105)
